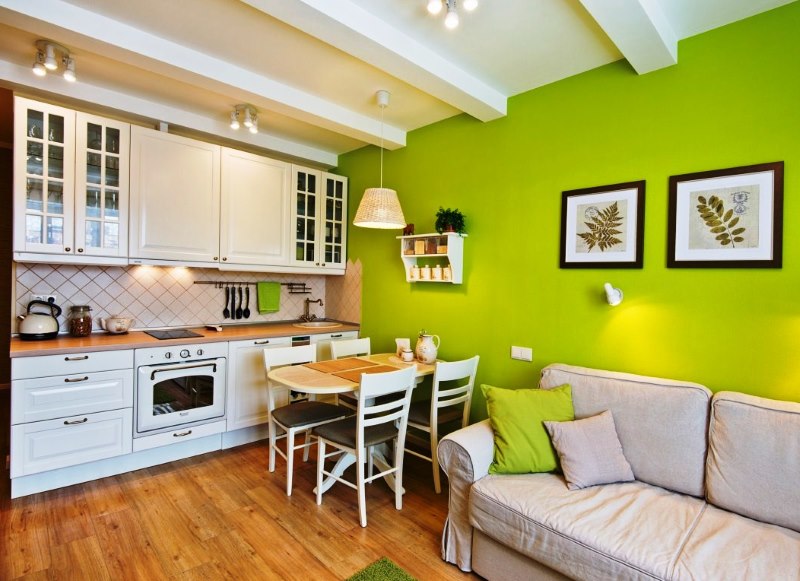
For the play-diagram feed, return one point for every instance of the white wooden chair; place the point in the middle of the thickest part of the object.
(296, 417)
(453, 401)
(349, 348)
(374, 423)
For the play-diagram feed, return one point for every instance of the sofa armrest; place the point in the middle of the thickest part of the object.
(465, 456)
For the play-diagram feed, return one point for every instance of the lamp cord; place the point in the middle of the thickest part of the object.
(382, 108)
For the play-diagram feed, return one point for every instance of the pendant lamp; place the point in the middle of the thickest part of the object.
(379, 207)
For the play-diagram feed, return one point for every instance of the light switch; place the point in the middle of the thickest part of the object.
(522, 353)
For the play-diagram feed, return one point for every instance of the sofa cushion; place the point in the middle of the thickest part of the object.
(726, 546)
(662, 424)
(521, 444)
(754, 458)
(589, 451)
(617, 531)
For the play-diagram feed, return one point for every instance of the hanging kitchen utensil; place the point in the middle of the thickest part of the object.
(226, 312)
(233, 302)
(247, 302)
(239, 309)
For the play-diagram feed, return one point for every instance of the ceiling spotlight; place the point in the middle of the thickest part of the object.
(69, 70)
(234, 119)
(451, 19)
(248, 119)
(249, 116)
(50, 59)
(46, 60)
(434, 6)
(38, 65)
(254, 124)
(470, 5)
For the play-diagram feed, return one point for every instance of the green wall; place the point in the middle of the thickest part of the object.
(733, 99)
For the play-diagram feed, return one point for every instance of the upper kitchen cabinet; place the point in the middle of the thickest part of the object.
(319, 214)
(68, 211)
(175, 199)
(255, 211)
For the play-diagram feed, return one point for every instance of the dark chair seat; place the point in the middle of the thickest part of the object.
(307, 412)
(350, 399)
(343, 433)
(420, 413)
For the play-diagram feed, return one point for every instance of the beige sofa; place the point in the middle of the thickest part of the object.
(716, 495)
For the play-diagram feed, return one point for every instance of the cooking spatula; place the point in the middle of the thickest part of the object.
(226, 312)
(239, 308)
(247, 302)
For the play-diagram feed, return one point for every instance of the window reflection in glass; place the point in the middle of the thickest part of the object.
(55, 198)
(55, 230)
(93, 203)
(34, 195)
(33, 229)
(112, 205)
(111, 235)
(93, 239)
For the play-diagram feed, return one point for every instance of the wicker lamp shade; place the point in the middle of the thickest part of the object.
(380, 208)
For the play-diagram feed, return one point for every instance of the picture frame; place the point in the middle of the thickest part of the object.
(727, 218)
(603, 226)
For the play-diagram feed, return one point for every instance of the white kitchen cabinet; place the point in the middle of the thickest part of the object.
(255, 211)
(319, 218)
(247, 386)
(323, 342)
(70, 186)
(174, 199)
(444, 250)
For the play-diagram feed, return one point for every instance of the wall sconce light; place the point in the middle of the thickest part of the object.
(249, 117)
(46, 59)
(613, 294)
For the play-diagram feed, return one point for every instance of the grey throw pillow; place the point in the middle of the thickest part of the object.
(589, 451)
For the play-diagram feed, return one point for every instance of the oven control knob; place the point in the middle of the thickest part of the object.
(167, 355)
(200, 352)
(184, 353)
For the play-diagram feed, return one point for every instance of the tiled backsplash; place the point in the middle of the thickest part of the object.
(159, 296)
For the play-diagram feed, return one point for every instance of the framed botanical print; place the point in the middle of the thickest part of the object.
(603, 226)
(727, 218)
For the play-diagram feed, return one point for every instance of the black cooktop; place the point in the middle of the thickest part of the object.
(176, 334)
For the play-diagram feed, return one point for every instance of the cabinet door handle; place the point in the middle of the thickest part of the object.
(74, 422)
(80, 358)
(80, 249)
(67, 249)
(264, 342)
(224, 259)
(76, 379)
(182, 434)
(216, 258)
(336, 335)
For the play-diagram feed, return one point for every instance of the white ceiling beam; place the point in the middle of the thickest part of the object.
(350, 28)
(145, 50)
(125, 103)
(639, 29)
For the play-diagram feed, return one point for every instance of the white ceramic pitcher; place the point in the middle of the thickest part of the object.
(427, 348)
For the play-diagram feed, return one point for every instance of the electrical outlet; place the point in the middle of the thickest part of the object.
(46, 298)
(522, 353)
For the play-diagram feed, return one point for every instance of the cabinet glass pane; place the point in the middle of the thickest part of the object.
(56, 128)
(94, 137)
(55, 230)
(328, 232)
(338, 213)
(55, 198)
(93, 204)
(337, 233)
(311, 206)
(93, 168)
(337, 254)
(309, 252)
(35, 124)
(301, 204)
(301, 229)
(310, 227)
(312, 184)
(329, 188)
(55, 162)
(112, 171)
(111, 235)
(299, 250)
(93, 234)
(329, 208)
(112, 205)
(301, 182)
(34, 196)
(35, 165)
(339, 190)
(112, 140)
(33, 229)
(328, 254)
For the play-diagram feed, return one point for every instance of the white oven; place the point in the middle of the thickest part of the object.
(179, 386)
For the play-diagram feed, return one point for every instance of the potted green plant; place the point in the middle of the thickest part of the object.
(448, 220)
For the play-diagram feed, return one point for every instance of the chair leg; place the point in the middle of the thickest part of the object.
(362, 502)
(306, 441)
(289, 461)
(398, 477)
(437, 485)
(370, 466)
(272, 443)
(320, 466)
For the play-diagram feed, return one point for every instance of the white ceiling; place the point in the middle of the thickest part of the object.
(312, 67)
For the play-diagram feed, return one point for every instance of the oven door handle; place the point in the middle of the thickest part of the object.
(179, 367)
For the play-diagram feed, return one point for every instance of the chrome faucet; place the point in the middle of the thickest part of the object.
(306, 316)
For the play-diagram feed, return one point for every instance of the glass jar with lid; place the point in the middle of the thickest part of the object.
(80, 320)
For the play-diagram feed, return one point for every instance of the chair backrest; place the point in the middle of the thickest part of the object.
(394, 390)
(282, 356)
(461, 372)
(350, 348)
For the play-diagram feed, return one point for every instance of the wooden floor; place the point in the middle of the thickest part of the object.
(220, 516)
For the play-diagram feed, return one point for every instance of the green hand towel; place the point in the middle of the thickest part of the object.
(269, 297)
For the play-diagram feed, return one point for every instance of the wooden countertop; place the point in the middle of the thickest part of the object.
(138, 339)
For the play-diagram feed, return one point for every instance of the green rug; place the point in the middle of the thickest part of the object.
(382, 570)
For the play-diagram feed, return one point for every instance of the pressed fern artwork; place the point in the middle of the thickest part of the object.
(722, 223)
(603, 228)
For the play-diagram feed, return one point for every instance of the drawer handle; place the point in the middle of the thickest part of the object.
(81, 358)
(264, 342)
(76, 379)
(182, 434)
(73, 422)
(336, 336)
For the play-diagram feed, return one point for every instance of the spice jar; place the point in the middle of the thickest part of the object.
(80, 320)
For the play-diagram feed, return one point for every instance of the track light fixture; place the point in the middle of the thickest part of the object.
(613, 294)
(47, 59)
(249, 116)
(451, 18)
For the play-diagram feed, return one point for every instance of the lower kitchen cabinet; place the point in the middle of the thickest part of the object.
(324, 340)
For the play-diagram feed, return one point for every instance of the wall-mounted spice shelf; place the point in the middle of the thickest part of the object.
(445, 251)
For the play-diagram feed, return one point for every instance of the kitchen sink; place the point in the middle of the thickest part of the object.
(318, 324)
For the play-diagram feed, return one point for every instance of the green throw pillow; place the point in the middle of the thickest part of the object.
(521, 443)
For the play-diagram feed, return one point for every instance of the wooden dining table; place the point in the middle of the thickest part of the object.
(343, 376)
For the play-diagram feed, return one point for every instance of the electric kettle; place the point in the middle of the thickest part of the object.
(36, 326)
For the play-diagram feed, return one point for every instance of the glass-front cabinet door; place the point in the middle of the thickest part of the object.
(334, 221)
(43, 177)
(101, 186)
(305, 216)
